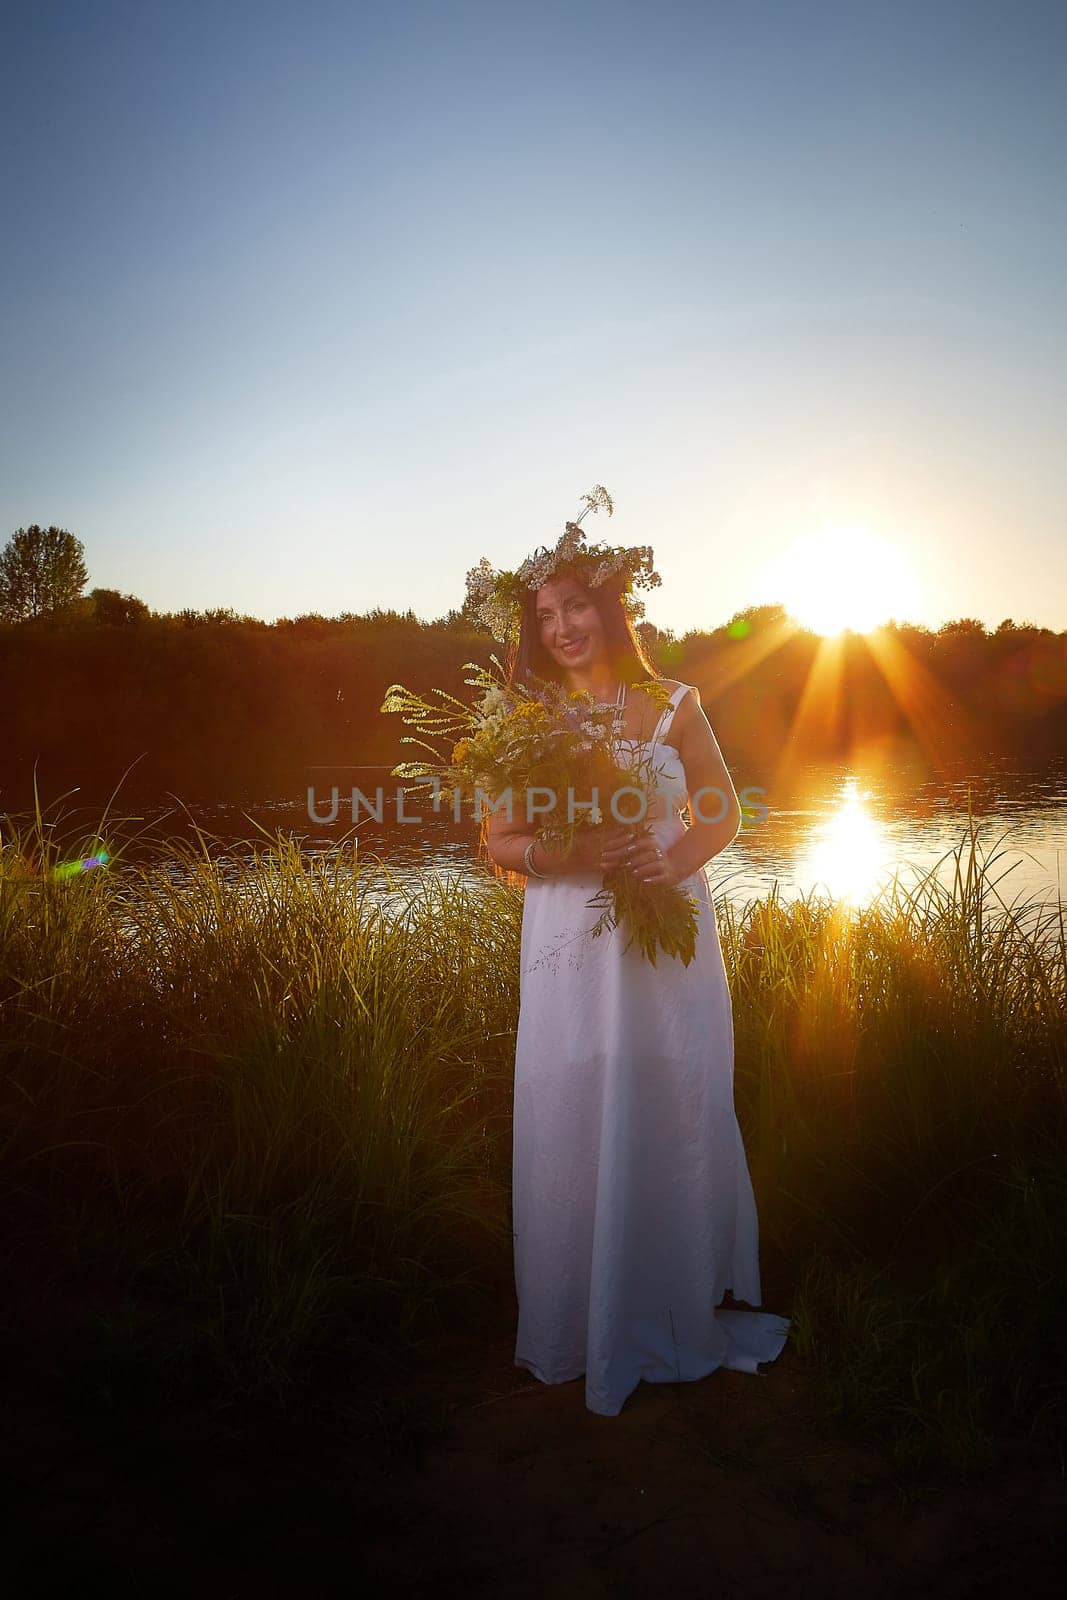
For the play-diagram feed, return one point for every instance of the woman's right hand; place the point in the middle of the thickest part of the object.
(589, 845)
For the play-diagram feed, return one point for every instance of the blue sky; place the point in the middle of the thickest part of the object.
(307, 307)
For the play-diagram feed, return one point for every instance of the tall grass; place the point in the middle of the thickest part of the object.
(900, 1076)
(275, 1099)
(271, 1106)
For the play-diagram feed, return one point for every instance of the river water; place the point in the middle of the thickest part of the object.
(839, 831)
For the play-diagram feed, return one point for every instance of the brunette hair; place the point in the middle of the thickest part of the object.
(529, 660)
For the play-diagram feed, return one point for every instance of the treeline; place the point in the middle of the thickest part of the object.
(212, 705)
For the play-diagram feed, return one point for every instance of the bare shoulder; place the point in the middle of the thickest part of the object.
(691, 729)
(661, 689)
(652, 696)
(687, 705)
(654, 699)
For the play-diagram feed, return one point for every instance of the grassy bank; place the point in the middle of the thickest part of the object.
(256, 1129)
(901, 1076)
(263, 1098)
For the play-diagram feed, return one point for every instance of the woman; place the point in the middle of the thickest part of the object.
(633, 1210)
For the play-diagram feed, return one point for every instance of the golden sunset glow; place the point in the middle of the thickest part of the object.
(845, 577)
(848, 856)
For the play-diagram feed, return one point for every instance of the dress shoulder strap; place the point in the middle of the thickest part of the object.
(667, 715)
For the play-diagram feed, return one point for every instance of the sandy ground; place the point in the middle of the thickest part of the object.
(486, 1482)
(729, 1486)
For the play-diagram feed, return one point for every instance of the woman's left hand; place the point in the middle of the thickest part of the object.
(645, 859)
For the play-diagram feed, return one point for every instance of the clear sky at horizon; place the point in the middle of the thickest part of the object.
(308, 307)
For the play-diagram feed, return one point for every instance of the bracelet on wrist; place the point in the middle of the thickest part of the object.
(527, 860)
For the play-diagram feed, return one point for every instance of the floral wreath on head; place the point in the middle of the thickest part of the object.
(497, 598)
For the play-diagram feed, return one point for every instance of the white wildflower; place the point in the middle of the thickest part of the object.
(496, 597)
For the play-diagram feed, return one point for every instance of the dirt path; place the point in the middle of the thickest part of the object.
(729, 1486)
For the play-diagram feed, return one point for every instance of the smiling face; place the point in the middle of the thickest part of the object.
(570, 627)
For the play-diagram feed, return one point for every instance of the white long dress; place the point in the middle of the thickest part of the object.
(633, 1209)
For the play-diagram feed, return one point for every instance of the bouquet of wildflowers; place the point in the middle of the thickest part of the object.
(555, 749)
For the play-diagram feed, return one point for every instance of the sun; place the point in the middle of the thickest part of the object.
(845, 577)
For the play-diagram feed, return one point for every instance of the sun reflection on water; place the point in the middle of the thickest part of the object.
(847, 857)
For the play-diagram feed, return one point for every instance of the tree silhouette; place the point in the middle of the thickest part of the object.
(115, 609)
(962, 628)
(42, 573)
